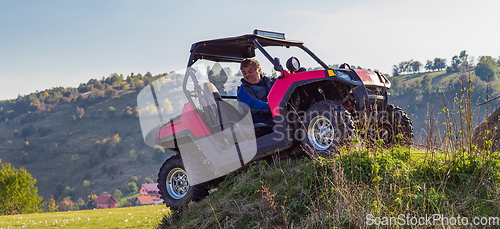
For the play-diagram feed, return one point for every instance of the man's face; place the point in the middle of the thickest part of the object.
(251, 74)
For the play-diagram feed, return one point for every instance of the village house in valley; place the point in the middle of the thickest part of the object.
(150, 190)
(140, 201)
(149, 196)
(105, 200)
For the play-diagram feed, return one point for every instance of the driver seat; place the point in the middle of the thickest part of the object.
(225, 112)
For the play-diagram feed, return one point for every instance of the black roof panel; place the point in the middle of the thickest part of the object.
(234, 49)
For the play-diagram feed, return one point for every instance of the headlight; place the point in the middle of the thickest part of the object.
(343, 75)
(293, 64)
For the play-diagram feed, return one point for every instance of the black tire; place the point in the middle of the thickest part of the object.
(401, 125)
(178, 194)
(327, 127)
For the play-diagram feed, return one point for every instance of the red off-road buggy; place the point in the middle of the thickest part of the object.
(314, 111)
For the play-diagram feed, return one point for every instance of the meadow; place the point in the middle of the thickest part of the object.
(131, 217)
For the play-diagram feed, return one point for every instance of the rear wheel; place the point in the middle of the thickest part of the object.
(327, 126)
(174, 186)
(401, 124)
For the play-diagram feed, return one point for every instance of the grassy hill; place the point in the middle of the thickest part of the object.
(56, 147)
(424, 101)
(347, 190)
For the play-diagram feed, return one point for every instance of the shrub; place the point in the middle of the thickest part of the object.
(108, 147)
(111, 112)
(44, 131)
(158, 154)
(91, 201)
(127, 112)
(117, 194)
(27, 131)
(10, 114)
(79, 112)
(74, 159)
(131, 187)
(142, 158)
(52, 205)
(94, 159)
(133, 155)
(148, 180)
(111, 93)
(114, 169)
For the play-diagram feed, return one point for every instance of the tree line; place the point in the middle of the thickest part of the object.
(35, 105)
(458, 63)
(486, 69)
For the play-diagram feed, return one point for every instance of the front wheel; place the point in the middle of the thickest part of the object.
(328, 126)
(174, 186)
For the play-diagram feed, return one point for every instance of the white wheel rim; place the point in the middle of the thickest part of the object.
(177, 183)
(320, 132)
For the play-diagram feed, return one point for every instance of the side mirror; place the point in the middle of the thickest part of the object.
(277, 64)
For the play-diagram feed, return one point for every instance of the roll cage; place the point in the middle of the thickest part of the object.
(235, 49)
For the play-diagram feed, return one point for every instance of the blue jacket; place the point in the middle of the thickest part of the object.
(255, 96)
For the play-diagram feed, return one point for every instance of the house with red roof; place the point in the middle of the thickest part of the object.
(140, 201)
(150, 190)
(105, 200)
(144, 200)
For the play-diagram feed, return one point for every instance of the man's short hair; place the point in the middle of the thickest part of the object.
(249, 61)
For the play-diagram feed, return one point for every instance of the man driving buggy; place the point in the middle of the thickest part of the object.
(254, 90)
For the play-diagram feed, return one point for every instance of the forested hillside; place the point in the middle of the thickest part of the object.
(81, 141)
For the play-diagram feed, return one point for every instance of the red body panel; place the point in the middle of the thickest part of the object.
(190, 120)
(368, 76)
(282, 85)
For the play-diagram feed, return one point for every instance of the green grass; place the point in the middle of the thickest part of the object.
(133, 217)
(339, 192)
(439, 78)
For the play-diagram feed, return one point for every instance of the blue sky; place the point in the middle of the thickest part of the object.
(51, 43)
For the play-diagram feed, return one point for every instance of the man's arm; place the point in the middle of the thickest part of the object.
(252, 101)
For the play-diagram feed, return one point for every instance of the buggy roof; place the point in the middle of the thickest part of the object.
(234, 49)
